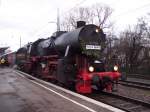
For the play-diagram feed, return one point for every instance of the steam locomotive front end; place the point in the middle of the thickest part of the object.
(92, 71)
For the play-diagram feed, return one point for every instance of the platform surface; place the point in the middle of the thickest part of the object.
(18, 94)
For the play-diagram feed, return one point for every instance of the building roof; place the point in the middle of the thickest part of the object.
(2, 49)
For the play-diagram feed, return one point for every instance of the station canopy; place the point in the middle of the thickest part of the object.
(2, 50)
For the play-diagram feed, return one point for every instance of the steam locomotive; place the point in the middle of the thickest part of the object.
(70, 58)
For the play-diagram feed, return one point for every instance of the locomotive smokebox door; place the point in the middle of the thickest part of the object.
(66, 71)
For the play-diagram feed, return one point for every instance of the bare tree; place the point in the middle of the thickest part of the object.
(97, 14)
(102, 14)
(133, 45)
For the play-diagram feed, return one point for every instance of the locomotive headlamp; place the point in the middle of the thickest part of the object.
(2, 60)
(91, 68)
(97, 30)
(43, 65)
(115, 68)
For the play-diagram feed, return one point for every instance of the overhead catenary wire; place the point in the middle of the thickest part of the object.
(76, 5)
(117, 16)
(83, 1)
(132, 10)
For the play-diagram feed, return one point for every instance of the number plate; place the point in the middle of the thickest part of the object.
(97, 47)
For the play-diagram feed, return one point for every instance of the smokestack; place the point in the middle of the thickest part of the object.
(80, 24)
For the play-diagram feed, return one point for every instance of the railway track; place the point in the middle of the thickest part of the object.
(134, 84)
(138, 76)
(118, 101)
(121, 102)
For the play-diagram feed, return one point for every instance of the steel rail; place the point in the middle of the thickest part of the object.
(134, 84)
(125, 103)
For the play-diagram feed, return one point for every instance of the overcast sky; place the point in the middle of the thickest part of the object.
(30, 19)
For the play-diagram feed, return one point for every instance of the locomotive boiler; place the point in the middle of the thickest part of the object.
(72, 59)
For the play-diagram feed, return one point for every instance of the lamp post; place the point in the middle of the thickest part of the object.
(20, 41)
(58, 21)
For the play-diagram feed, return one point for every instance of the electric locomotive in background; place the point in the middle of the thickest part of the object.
(7, 59)
(73, 59)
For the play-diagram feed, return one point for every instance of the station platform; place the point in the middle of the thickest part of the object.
(19, 94)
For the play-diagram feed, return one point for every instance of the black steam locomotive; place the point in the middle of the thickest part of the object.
(70, 58)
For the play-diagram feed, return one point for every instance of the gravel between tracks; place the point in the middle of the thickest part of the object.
(132, 92)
